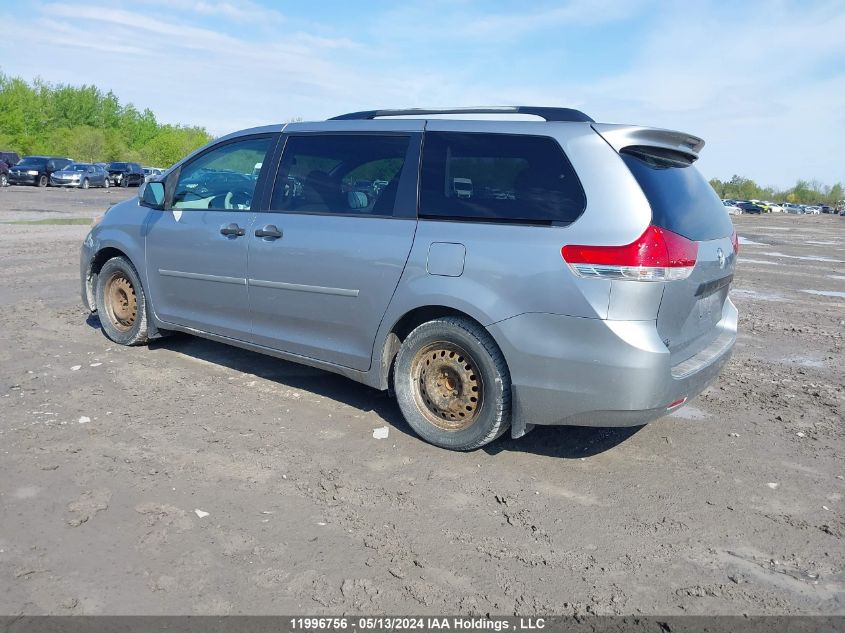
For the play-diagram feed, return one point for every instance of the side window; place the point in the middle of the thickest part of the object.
(223, 178)
(498, 178)
(347, 174)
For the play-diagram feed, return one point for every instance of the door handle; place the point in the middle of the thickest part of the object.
(232, 229)
(270, 231)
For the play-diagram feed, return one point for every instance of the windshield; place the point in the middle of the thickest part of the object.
(118, 165)
(76, 167)
(32, 162)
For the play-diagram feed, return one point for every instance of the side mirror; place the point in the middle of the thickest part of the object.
(151, 194)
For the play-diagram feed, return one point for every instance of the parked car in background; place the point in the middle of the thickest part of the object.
(812, 210)
(731, 208)
(7, 161)
(596, 295)
(126, 174)
(775, 208)
(152, 172)
(826, 208)
(36, 170)
(82, 175)
(764, 206)
(750, 207)
(791, 207)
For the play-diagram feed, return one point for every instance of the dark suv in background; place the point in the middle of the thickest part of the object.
(7, 160)
(36, 170)
(125, 174)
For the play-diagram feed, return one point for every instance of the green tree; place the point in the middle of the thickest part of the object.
(84, 123)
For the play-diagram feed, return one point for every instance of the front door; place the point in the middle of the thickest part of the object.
(325, 260)
(197, 248)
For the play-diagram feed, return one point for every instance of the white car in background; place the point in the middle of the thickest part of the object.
(732, 209)
(812, 210)
(776, 208)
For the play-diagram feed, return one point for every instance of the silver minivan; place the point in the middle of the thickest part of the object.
(581, 278)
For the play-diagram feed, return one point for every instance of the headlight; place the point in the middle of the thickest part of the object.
(32, 172)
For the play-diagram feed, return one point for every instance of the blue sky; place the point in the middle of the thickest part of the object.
(763, 82)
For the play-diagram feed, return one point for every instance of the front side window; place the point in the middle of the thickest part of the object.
(223, 178)
(347, 174)
(498, 178)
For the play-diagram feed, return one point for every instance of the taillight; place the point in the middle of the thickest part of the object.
(657, 255)
(735, 242)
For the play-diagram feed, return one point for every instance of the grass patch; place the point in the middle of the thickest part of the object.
(60, 221)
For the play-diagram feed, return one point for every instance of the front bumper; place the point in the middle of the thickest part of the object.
(593, 372)
(22, 179)
(86, 256)
(63, 182)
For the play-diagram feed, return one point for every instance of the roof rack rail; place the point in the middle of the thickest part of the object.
(549, 114)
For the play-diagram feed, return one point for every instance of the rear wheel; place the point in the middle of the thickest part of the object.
(452, 384)
(121, 303)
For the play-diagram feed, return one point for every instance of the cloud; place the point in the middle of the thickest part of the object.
(762, 81)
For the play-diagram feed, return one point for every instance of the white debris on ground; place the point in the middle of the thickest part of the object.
(381, 433)
(200, 513)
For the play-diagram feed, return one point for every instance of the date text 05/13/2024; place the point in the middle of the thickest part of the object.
(416, 624)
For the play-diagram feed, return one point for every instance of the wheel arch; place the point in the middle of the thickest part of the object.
(403, 326)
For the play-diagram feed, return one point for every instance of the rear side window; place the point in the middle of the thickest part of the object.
(681, 200)
(498, 178)
(344, 174)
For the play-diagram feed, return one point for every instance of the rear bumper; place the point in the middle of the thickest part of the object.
(592, 372)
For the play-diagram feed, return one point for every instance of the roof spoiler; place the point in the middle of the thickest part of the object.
(621, 136)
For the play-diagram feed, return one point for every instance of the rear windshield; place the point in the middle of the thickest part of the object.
(498, 178)
(682, 201)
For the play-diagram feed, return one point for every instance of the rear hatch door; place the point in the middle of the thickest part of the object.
(683, 202)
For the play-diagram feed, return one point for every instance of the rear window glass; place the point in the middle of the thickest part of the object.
(498, 178)
(681, 200)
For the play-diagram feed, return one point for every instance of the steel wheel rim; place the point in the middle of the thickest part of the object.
(447, 386)
(121, 302)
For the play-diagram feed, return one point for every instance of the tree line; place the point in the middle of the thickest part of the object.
(87, 124)
(803, 192)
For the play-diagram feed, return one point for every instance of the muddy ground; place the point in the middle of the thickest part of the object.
(732, 505)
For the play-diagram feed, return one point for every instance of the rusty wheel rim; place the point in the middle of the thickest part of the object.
(121, 302)
(447, 386)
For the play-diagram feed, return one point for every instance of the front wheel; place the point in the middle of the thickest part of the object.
(121, 303)
(124, 182)
(452, 384)
(85, 184)
(42, 180)
(4, 180)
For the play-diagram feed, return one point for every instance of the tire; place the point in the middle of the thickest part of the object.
(106, 183)
(85, 183)
(124, 182)
(452, 384)
(121, 303)
(4, 180)
(42, 180)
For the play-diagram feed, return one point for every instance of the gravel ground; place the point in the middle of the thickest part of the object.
(732, 505)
